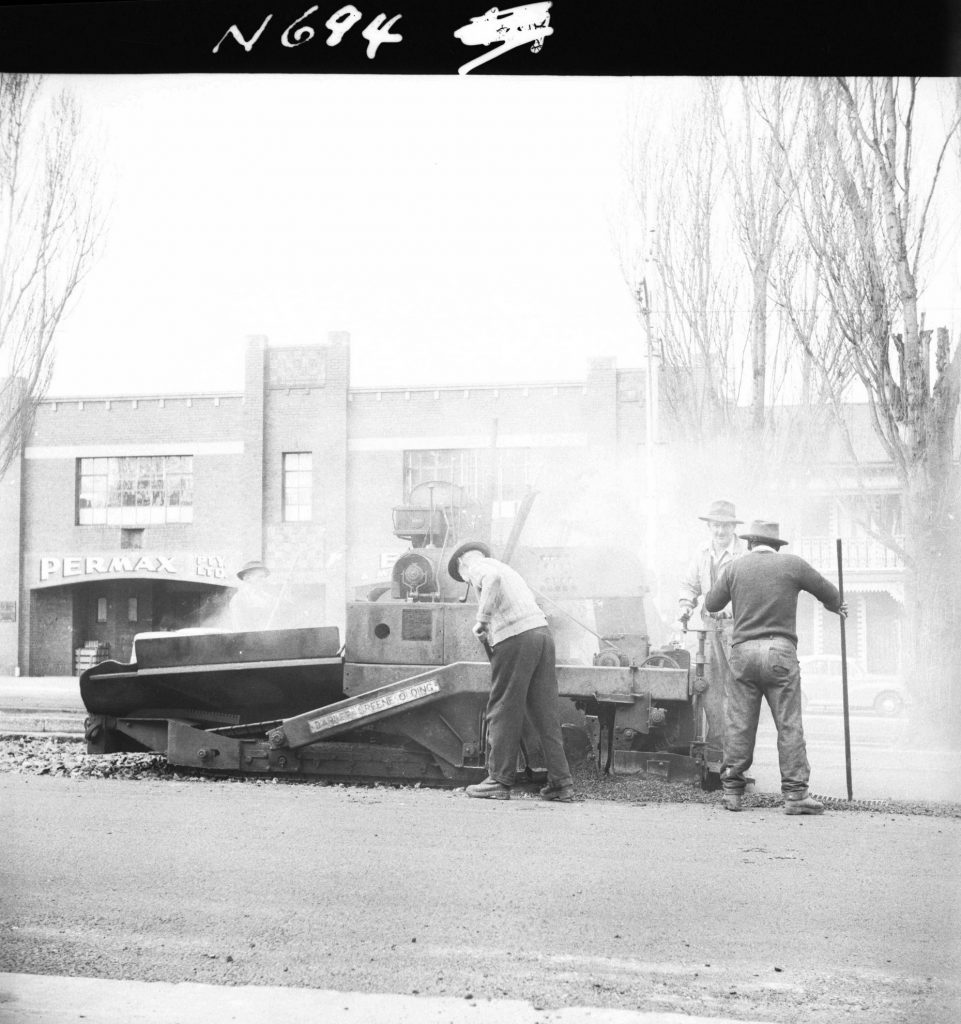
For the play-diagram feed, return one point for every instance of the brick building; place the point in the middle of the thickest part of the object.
(131, 514)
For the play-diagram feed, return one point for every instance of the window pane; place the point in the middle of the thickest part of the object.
(133, 489)
(297, 486)
(465, 467)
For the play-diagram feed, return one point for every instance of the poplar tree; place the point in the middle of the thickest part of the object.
(49, 228)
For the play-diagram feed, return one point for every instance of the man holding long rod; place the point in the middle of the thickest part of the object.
(762, 587)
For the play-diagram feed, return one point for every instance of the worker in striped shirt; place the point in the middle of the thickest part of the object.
(523, 676)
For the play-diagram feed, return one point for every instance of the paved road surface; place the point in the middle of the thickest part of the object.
(39, 999)
(44, 693)
(884, 764)
(680, 908)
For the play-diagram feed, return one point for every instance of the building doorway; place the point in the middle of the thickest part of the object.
(75, 627)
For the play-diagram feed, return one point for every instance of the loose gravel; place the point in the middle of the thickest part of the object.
(66, 757)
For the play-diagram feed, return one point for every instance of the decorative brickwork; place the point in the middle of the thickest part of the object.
(296, 368)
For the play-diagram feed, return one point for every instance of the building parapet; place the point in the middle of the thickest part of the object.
(464, 390)
(383, 443)
(135, 401)
(144, 448)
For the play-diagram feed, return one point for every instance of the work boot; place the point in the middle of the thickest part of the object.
(733, 801)
(802, 803)
(490, 789)
(562, 794)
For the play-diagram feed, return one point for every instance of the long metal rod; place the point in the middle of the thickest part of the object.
(520, 519)
(576, 622)
(844, 679)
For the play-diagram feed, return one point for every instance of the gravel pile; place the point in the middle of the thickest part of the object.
(66, 757)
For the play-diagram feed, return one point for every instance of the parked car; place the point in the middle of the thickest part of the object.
(821, 686)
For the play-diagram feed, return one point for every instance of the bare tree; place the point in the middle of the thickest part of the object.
(50, 226)
(833, 188)
(711, 188)
(865, 196)
(756, 173)
(683, 256)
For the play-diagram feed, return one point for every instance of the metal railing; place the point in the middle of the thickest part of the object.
(861, 554)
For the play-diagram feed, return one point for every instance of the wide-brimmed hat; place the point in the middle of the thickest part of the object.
(721, 512)
(250, 567)
(471, 545)
(764, 533)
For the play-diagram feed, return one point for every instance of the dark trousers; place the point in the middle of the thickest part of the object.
(524, 681)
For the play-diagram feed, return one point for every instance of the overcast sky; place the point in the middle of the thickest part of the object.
(458, 228)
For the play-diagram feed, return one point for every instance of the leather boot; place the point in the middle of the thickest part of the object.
(562, 794)
(733, 801)
(490, 789)
(802, 803)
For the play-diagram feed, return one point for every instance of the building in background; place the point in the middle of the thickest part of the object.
(128, 514)
(133, 514)
(857, 507)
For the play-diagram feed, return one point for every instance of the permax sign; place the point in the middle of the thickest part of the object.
(51, 566)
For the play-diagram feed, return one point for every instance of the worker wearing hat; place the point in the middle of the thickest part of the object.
(252, 603)
(722, 548)
(762, 589)
(523, 676)
(254, 569)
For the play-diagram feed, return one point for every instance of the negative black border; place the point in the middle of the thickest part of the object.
(604, 37)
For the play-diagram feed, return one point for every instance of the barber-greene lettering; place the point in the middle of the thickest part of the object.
(369, 707)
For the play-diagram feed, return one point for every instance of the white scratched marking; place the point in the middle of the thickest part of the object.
(529, 23)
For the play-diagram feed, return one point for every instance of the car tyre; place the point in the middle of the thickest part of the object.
(888, 703)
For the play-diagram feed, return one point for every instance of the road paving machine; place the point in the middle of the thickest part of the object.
(404, 698)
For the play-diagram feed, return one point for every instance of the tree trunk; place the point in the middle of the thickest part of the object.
(759, 346)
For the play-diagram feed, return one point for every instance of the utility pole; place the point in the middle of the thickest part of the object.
(650, 429)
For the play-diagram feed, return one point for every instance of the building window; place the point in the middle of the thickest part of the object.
(101, 609)
(132, 609)
(298, 484)
(475, 470)
(461, 466)
(135, 490)
(516, 469)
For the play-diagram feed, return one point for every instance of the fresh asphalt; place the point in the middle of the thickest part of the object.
(885, 763)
